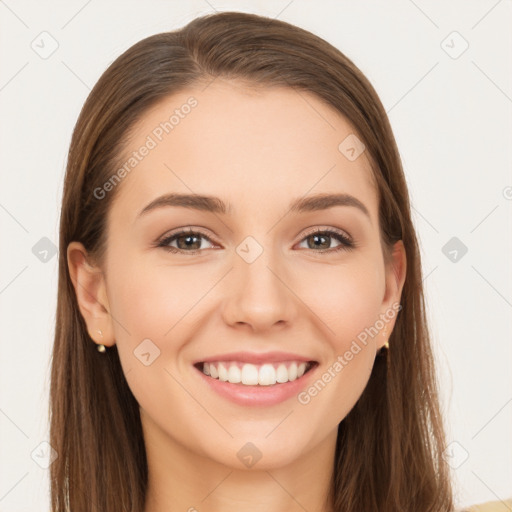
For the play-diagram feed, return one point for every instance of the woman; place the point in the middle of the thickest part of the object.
(236, 240)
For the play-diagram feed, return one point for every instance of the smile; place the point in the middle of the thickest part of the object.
(255, 379)
(268, 374)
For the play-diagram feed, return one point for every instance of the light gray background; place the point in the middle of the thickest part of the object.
(451, 118)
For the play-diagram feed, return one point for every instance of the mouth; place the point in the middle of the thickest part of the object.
(248, 374)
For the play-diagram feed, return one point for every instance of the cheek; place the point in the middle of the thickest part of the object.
(155, 308)
(347, 301)
(149, 306)
(345, 298)
(149, 299)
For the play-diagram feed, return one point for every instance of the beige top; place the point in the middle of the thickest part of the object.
(491, 506)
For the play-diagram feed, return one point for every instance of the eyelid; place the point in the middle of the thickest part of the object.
(347, 241)
(327, 229)
(184, 230)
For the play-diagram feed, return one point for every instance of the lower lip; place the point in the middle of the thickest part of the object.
(258, 395)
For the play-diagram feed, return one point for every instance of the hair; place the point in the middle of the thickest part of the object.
(389, 447)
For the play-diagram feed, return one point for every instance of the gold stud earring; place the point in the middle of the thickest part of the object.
(386, 344)
(101, 347)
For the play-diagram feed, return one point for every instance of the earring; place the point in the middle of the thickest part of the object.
(386, 345)
(101, 347)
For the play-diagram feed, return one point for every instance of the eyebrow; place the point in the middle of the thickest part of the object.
(213, 204)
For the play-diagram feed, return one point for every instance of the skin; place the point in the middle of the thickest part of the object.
(258, 150)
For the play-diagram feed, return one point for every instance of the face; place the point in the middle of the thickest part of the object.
(186, 282)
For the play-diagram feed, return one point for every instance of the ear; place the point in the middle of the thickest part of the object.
(395, 277)
(90, 289)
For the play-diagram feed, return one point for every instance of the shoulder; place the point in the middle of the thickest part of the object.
(491, 506)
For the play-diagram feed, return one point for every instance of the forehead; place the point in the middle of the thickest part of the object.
(243, 144)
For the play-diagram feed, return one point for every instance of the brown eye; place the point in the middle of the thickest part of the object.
(322, 239)
(318, 241)
(186, 241)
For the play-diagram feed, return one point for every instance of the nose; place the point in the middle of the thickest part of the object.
(258, 295)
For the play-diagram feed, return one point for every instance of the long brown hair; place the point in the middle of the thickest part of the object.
(389, 448)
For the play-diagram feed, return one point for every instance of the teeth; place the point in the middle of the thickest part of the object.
(234, 374)
(251, 375)
(266, 375)
(223, 372)
(213, 371)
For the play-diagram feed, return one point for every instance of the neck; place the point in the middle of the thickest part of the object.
(182, 479)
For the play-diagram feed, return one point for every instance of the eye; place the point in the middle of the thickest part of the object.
(185, 240)
(191, 241)
(320, 238)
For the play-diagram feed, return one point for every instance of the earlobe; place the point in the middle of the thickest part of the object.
(396, 270)
(89, 284)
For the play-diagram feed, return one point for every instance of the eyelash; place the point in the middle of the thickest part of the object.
(346, 242)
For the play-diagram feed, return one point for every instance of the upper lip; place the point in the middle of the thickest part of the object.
(256, 357)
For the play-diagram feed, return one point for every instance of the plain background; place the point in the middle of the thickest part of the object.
(449, 107)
